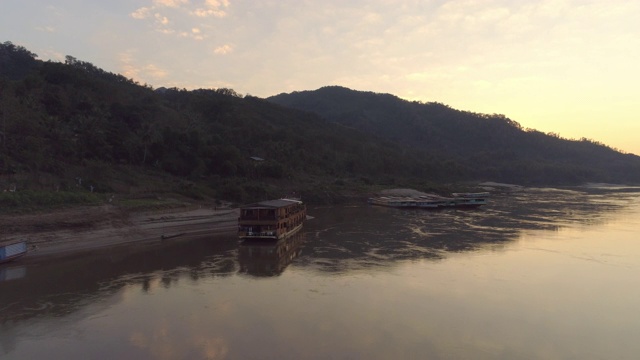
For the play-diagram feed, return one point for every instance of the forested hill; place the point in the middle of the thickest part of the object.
(492, 146)
(70, 125)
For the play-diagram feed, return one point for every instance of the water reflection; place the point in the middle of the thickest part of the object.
(55, 287)
(352, 238)
(339, 240)
(8, 273)
(269, 258)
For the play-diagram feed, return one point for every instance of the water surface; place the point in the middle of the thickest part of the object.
(535, 274)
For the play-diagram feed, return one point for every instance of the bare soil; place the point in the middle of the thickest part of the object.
(91, 227)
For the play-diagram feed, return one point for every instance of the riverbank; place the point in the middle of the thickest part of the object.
(87, 228)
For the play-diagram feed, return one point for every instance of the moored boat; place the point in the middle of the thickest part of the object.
(431, 201)
(470, 199)
(12, 251)
(271, 219)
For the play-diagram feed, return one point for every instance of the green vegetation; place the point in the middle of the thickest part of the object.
(73, 129)
(28, 200)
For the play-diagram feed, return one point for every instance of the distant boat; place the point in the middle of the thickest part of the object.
(12, 251)
(271, 219)
(431, 201)
(471, 199)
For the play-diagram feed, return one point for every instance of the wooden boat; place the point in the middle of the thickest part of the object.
(271, 219)
(427, 202)
(431, 201)
(470, 199)
(12, 251)
(394, 201)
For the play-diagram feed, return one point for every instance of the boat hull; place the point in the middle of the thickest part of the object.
(271, 237)
(13, 251)
(459, 200)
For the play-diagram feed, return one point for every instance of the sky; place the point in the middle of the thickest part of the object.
(569, 67)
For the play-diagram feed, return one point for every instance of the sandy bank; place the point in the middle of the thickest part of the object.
(87, 228)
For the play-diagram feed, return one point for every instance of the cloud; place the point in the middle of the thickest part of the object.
(215, 8)
(223, 50)
(166, 31)
(142, 13)
(49, 29)
(141, 73)
(163, 20)
(176, 17)
(154, 71)
(195, 34)
(170, 3)
(51, 54)
(209, 12)
(212, 8)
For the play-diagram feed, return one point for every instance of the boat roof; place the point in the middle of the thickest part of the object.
(272, 204)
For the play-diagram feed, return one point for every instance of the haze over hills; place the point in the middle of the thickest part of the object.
(71, 121)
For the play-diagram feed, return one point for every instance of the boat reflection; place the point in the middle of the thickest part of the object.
(339, 240)
(269, 258)
(12, 273)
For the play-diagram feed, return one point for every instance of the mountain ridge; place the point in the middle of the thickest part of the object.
(471, 138)
(72, 126)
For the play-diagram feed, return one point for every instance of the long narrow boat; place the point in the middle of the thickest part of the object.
(12, 251)
(470, 199)
(431, 201)
(271, 219)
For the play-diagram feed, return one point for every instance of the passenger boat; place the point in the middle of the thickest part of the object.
(271, 219)
(12, 251)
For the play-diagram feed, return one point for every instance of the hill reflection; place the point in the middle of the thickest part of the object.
(339, 239)
(57, 286)
(352, 238)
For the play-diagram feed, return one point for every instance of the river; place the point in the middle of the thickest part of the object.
(537, 273)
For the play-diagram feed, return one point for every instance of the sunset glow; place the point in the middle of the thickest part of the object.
(562, 66)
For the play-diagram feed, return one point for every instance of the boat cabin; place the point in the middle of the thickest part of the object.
(271, 219)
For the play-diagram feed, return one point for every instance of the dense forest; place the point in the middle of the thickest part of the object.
(70, 126)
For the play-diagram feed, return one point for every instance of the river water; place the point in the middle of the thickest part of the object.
(535, 274)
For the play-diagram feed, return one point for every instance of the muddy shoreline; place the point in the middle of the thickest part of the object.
(82, 229)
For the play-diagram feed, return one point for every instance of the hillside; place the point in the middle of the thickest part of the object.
(73, 133)
(70, 126)
(489, 146)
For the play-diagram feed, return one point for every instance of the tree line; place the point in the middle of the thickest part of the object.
(71, 119)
